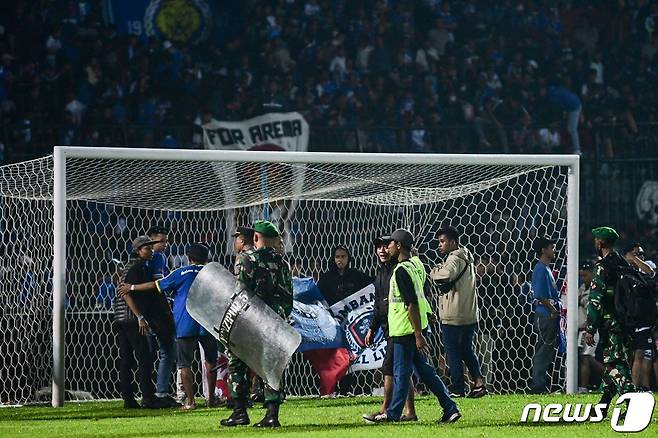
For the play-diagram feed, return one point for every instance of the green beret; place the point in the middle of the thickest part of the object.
(266, 228)
(605, 233)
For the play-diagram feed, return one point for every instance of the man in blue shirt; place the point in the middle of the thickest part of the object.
(188, 331)
(570, 104)
(547, 311)
(158, 264)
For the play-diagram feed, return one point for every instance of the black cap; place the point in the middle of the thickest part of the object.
(401, 236)
(381, 240)
(244, 231)
(198, 251)
(541, 243)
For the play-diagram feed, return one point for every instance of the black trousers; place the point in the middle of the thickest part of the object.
(133, 345)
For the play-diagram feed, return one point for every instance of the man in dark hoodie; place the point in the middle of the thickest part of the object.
(338, 283)
(380, 319)
(341, 281)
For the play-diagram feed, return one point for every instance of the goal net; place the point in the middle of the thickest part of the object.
(113, 195)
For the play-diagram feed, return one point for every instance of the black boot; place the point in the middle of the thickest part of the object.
(271, 418)
(606, 398)
(239, 417)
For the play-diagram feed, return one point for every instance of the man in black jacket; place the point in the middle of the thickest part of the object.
(341, 281)
(380, 319)
(134, 319)
(338, 283)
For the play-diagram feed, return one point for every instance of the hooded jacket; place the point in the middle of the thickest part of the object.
(382, 284)
(459, 306)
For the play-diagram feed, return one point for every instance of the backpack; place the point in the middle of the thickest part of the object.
(634, 298)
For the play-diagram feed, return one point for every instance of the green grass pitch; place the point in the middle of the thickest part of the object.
(491, 416)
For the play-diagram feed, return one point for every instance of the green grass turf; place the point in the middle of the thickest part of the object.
(496, 416)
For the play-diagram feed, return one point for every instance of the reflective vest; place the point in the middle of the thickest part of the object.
(399, 323)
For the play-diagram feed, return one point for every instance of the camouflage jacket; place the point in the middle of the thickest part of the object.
(239, 259)
(265, 273)
(600, 307)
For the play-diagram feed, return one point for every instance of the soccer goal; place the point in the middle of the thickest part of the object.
(67, 221)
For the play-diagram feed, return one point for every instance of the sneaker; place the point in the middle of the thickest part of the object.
(153, 403)
(188, 407)
(456, 394)
(371, 417)
(450, 417)
(477, 392)
(379, 419)
(409, 418)
(169, 401)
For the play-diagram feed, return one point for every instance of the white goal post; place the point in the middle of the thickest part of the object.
(373, 180)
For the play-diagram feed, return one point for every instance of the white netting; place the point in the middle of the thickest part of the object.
(499, 210)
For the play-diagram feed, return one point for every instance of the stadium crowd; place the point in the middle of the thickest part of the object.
(502, 76)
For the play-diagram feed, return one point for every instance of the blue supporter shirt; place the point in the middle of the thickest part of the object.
(564, 98)
(158, 266)
(178, 284)
(543, 286)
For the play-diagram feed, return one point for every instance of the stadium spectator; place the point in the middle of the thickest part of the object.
(341, 281)
(336, 284)
(370, 55)
(547, 305)
(458, 311)
(587, 363)
(105, 293)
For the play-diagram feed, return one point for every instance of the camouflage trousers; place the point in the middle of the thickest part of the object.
(616, 356)
(239, 375)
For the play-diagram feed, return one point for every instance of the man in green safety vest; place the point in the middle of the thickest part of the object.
(407, 325)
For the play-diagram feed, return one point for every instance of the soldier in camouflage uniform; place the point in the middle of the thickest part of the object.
(243, 245)
(601, 316)
(266, 274)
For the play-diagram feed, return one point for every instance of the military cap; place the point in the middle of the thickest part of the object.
(266, 228)
(244, 231)
(605, 233)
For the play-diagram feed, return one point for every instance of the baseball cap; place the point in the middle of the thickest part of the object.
(402, 236)
(381, 240)
(143, 241)
(266, 228)
(244, 231)
(198, 251)
(541, 243)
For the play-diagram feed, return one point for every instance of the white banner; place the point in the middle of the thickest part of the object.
(354, 314)
(273, 131)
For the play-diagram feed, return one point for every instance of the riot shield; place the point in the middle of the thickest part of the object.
(241, 321)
